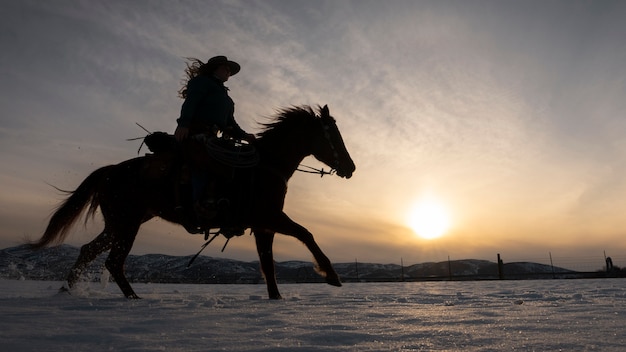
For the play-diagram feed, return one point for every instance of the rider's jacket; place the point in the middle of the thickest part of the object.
(208, 106)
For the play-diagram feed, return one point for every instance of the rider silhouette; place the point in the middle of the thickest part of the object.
(207, 110)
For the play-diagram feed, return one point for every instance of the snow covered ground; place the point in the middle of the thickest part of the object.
(554, 315)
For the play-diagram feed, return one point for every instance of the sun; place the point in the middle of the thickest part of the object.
(429, 219)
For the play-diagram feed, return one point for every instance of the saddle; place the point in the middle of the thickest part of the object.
(217, 156)
(161, 142)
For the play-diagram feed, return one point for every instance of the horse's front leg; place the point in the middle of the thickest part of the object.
(264, 240)
(283, 224)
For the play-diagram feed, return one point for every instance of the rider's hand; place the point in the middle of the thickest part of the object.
(181, 133)
(250, 138)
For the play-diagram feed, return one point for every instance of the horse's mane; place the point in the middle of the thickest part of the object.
(288, 120)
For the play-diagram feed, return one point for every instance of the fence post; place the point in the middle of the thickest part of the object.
(500, 268)
(552, 265)
(609, 264)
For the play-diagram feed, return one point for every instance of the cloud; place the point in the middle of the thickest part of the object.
(510, 112)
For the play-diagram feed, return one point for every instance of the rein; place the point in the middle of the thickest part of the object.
(312, 170)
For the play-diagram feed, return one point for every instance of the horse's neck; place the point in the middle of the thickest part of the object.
(283, 158)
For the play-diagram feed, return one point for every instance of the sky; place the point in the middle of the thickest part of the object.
(508, 114)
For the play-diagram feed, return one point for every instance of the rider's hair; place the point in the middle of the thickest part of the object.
(195, 67)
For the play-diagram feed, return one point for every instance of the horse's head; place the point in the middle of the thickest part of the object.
(328, 146)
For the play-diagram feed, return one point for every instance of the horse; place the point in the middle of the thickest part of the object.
(137, 190)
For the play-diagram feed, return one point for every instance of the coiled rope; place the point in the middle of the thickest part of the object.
(241, 156)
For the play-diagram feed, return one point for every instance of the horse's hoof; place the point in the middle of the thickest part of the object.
(333, 281)
(133, 296)
(276, 297)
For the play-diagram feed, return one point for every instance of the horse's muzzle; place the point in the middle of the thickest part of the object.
(346, 175)
(346, 172)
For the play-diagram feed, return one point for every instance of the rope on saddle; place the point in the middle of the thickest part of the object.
(231, 153)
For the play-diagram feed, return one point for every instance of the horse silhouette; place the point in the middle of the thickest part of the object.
(137, 190)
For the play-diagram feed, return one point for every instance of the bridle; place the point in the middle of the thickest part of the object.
(322, 172)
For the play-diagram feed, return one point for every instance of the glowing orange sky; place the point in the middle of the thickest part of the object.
(510, 114)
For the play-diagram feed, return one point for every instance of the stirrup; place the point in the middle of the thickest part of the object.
(205, 212)
(192, 229)
(232, 231)
(188, 222)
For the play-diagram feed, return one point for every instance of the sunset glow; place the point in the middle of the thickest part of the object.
(429, 219)
(484, 127)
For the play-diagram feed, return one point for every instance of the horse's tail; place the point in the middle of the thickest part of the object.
(70, 210)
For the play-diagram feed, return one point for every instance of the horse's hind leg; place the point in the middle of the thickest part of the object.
(88, 253)
(120, 249)
(264, 240)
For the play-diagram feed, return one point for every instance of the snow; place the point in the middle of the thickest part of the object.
(539, 315)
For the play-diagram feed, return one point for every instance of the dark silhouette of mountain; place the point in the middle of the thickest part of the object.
(54, 264)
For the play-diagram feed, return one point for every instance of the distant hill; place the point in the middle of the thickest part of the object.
(54, 264)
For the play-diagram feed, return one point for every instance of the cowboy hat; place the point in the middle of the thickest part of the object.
(217, 61)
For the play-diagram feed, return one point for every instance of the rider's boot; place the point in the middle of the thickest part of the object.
(205, 211)
(188, 220)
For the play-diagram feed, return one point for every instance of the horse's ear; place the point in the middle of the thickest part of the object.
(325, 111)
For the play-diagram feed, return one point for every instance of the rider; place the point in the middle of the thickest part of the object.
(207, 110)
